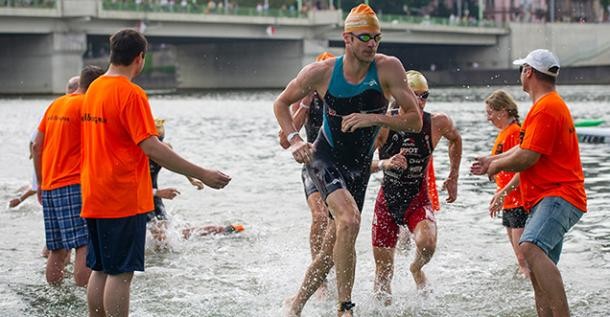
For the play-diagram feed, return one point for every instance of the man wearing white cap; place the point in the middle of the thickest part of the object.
(552, 180)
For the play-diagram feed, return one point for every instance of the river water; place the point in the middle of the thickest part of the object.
(473, 272)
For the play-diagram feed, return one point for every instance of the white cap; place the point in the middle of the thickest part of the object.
(541, 60)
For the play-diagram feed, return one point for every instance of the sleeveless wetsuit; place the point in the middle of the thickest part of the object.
(403, 198)
(159, 212)
(342, 160)
(312, 127)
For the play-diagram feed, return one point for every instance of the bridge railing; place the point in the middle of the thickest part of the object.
(37, 4)
(197, 9)
(411, 19)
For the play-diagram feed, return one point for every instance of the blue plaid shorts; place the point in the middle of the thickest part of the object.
(64, 228)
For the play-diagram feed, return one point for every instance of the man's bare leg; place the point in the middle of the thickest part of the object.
(347, 222)
(425, 242)
(316, 272)
(95, 294)
(542, 307)
(56, 262)
(384, 271)
(81, 271)
(319, 223)
(116, 294)
(546, 279)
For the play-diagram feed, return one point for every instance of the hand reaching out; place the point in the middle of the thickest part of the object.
(480, 165)
(167, 193)
(197, 183)
(215, 179)
(496, 203)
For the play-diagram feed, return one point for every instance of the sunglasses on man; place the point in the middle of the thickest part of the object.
(424, 95)
(522, 67)
(366, 37)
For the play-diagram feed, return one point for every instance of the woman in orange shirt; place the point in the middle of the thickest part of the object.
(502, 112)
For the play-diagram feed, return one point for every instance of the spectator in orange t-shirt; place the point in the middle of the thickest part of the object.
(119, 135)
(551, 176)
(502, 112)
(56, 155)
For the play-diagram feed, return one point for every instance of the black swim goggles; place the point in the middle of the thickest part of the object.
(423, 95)
(366, 37)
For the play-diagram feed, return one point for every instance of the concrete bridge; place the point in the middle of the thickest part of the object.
(40, 48)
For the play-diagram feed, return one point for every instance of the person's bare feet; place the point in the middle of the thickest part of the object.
(384, 298)
(288, 309)
(322, 294)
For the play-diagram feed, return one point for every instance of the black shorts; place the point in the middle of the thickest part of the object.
(308, 184)
(514, 218)
(329, 175)
(116, 245)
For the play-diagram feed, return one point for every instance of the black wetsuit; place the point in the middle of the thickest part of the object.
(312, 128)
(406, 190)
(159, 212)
(342, 160)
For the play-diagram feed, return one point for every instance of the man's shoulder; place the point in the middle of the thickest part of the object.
(440, 119)
(383, 60)
(320, 68)
(58, 103)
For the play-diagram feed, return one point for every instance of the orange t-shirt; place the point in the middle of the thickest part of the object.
(506, 139)
(549, 130)
(115, 177)
(61, 146)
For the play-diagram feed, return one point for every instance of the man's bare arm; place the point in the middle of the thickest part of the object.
(448, 130)
(516, 161)
(298, 88)
(37, 155)
(309, 79)
(166, 157)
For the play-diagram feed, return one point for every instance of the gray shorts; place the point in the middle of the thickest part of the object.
(547, 224)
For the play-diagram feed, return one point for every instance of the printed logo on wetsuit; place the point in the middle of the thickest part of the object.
(371, 83)
(411, 150)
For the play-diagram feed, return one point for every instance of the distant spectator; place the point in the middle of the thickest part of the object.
(211, 7)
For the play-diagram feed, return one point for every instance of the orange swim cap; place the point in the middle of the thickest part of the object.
(360, 18)
(238, 227)
(324, 56)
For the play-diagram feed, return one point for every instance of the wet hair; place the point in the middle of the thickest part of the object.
(501, 100)
(546, 78)
(125, 46)
(88, 75)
